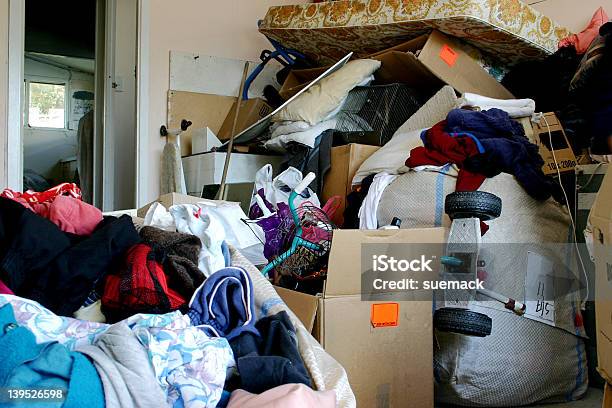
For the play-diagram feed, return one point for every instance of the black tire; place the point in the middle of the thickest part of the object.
(473, 204)
(462, 321)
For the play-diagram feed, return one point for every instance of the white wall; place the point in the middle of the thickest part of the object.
(225, 28)
(4, 42)
(573, 14)
(44, 148)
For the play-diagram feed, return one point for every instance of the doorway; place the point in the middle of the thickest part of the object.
(77, 99)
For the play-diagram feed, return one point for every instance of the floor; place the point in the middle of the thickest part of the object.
(592, 399)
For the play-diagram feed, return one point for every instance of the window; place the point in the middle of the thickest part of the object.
(46, 105)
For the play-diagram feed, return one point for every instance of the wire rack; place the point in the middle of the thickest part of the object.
(378, 108)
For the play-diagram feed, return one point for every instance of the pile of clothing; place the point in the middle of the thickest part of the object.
(114, 313)
(575, 83)
(484, 144)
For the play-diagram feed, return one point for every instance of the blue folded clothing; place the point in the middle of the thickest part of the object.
(46, 366)
(223, 305)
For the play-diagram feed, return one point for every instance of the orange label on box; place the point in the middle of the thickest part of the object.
(384, 314)
(448, 55)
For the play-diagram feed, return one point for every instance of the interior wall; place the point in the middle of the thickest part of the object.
(4, 42)
(44, 148)
(223, 28)
(570, 13)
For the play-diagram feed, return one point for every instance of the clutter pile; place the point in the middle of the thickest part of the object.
(125, 311)
(187, 302)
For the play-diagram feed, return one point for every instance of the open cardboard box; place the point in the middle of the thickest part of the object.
(345, 161)
(386, 362)
(563, 158)
(427, 63)
(168, 200)
(600, 219)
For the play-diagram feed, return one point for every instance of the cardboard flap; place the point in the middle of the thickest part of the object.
(405, 68)
(445, 58)
(303, 305)
(600, 216)
(344, 268)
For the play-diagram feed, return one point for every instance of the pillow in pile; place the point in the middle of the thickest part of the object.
(316, 104)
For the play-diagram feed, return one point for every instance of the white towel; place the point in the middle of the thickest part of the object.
(306, 137)
(516, 108)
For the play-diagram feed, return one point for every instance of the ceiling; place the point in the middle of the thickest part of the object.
(78, 64)
(65, 28)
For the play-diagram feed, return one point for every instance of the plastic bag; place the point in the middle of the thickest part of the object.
(277, 190)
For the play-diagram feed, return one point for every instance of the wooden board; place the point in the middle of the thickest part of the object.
(193, 72)
(204, 110)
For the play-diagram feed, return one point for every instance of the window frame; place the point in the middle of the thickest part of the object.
(26, 112)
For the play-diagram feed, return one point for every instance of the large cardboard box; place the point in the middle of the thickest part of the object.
(601, 221)
(426, 63)
(563, 157)
(345, 161)
(389, 364)
(250, 112)
(429, 61)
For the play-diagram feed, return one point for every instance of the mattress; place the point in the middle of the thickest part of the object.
(509, 30)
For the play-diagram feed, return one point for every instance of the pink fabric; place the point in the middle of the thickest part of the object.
(4, 290)
(582, 40)
(71, 215)
(288, 395)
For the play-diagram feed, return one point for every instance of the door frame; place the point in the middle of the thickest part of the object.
(15, 102)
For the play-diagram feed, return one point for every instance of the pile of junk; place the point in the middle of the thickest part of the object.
(198, 302)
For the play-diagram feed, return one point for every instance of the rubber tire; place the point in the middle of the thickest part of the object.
(462, 321)
(473, 204)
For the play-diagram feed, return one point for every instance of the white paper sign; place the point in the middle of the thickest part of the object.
(539, 289)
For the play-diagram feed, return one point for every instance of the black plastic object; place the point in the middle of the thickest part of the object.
(473, 204)
(462, 321)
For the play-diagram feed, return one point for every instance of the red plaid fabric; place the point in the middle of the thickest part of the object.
(139, 286)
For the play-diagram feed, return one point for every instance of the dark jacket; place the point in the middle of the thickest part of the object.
(40, 262)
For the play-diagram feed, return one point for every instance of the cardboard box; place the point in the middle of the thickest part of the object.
(430, 61)
(298, 79)
(251, 111)
(303, 305)
(600, 219)
(427, 62)
(168, 200)
(563, 154)
(607, 397)
(345, 161)
(386, 365)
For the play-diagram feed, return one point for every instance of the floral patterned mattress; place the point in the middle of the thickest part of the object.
(508, 30)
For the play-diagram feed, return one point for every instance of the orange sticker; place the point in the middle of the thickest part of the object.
(448, 55)
(384, 314)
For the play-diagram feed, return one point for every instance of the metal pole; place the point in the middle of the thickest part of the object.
(230, 146)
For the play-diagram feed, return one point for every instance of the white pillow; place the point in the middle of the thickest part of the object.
(315, 105)
(391, 156)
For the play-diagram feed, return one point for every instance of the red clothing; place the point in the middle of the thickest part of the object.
(32, 197)
(139, 286)
(61, 205)
(441, 148)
